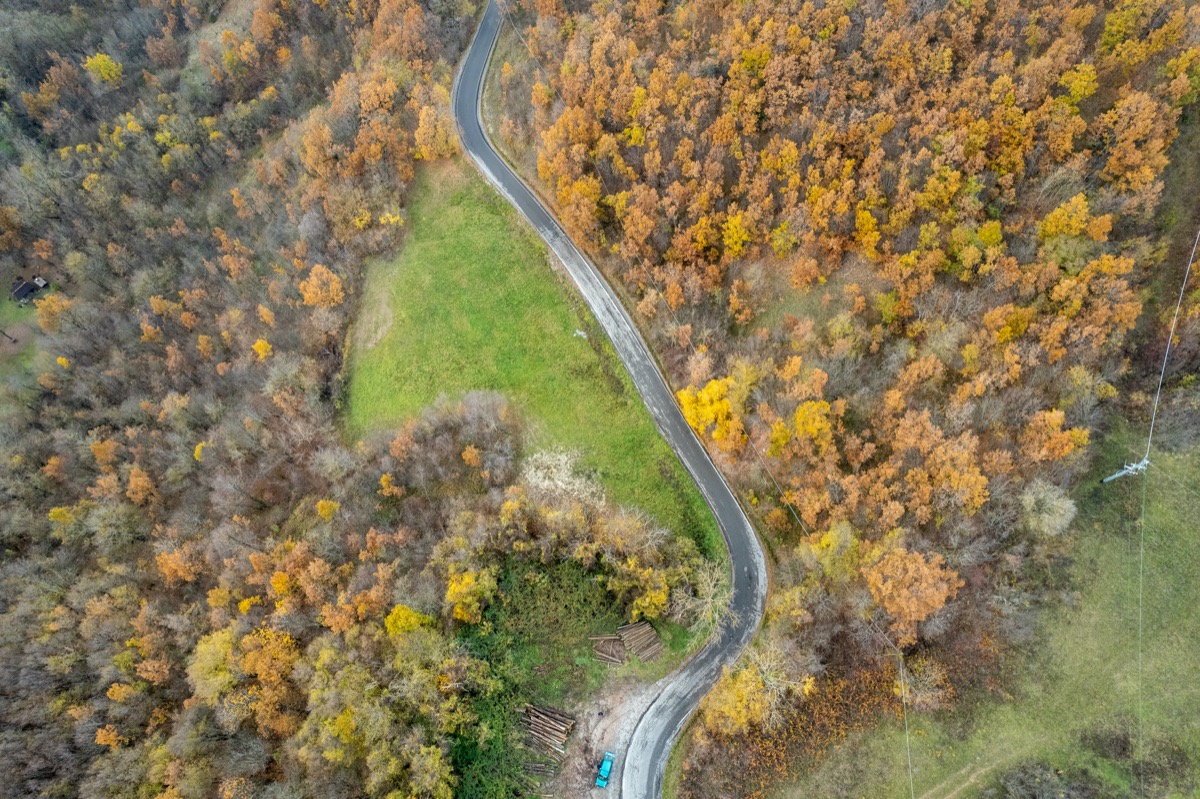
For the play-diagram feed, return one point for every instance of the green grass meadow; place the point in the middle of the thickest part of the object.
(16, 359)
(1083, 685)
(470, 303)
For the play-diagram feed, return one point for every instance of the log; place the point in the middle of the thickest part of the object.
(548, 745)
(547, 724)
(539, 713)
(548, 734)
(641, 639)
(533, 714)
(551, 732)
(551, 713)
(553, 736)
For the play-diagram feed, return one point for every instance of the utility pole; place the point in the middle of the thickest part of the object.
(1129, 470)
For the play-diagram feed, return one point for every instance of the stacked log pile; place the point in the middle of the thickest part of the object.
(641, 639)
(637, 639)
(547, 729)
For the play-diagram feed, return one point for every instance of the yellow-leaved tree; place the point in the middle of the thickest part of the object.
(322, 288)
(710, 411)
(434, 136)
(468, 590)
(51, 309)
(404, 619)
(738, 701)
(104, 68)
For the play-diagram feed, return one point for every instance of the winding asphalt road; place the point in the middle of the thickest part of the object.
(641, 767)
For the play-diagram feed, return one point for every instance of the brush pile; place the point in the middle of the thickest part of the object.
(608, 648)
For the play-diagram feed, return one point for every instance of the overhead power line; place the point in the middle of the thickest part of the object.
(1139, 467)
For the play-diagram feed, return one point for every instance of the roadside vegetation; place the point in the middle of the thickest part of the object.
(471, 303)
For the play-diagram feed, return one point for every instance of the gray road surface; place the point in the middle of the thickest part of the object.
(639, 769)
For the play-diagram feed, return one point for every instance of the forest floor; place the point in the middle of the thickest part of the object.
(1074, 703)
(471, 303)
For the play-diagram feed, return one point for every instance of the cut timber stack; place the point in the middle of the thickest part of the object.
(608, 648)
(641, 640)
(547, 728)
(539, 769)
(536, 772)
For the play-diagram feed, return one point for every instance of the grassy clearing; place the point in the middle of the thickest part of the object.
(471, 303)
(1083, 684)
(16, 358)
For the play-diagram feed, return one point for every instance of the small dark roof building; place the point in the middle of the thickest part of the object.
(27, 288)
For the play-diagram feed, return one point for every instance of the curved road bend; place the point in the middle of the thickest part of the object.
(641, 767)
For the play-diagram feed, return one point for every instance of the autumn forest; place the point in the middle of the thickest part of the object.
(905, 264)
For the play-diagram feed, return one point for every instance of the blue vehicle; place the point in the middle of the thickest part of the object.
(605, 769)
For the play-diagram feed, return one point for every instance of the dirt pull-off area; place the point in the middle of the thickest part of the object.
(604, 724)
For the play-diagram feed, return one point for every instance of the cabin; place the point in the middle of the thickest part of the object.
(27, 289)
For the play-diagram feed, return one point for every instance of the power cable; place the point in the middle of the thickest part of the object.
(1140, 466)
(903, 671)
(1170, 341)
(1141, 613)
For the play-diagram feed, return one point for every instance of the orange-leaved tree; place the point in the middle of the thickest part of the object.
(911, 587)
